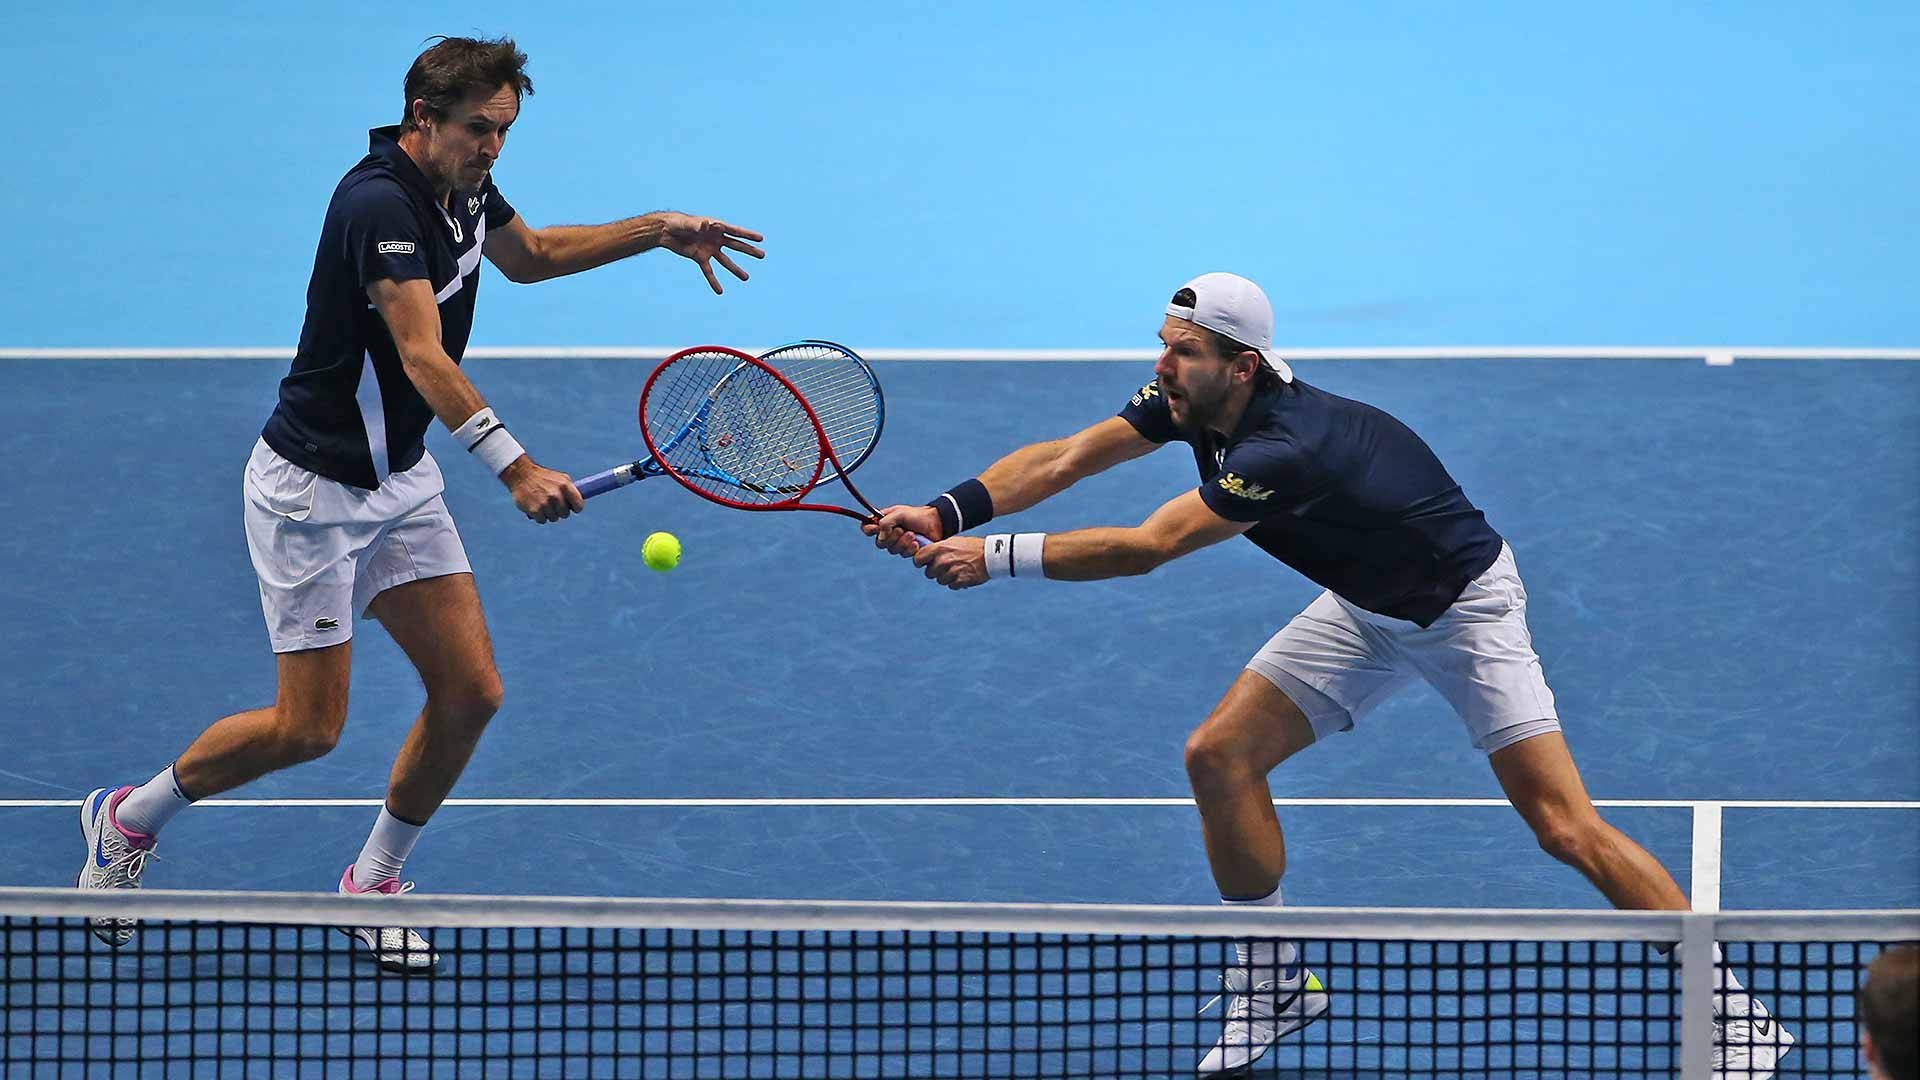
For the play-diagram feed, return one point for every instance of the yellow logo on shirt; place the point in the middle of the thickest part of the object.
(1147, 393)
(1232, 484)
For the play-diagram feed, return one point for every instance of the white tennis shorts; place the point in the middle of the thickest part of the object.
(323, 550)
(1338, 662)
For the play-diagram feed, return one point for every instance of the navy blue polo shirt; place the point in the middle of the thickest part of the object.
(1342, 492)
(347, 410)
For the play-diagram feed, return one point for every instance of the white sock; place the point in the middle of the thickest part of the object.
(152, 804)
(1724, 982)
(386, 850)
(1263, 956)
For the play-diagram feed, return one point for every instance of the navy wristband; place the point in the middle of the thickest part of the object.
(964, 506)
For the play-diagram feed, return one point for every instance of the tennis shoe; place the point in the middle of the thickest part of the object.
(1748, 1042)
(1260, 1014)
(115, 859)
(394, 948)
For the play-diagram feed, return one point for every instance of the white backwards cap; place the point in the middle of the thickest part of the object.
(1230, 304)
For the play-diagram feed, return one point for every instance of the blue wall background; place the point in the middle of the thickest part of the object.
(1009, 175)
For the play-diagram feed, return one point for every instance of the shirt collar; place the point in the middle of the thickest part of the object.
(384, 143)
(1257, 408)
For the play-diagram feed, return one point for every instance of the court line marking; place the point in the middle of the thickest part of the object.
(1661, 804)
(1715, 355)
(1705, 880)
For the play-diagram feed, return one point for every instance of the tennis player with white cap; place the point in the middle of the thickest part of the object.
(1418, 586)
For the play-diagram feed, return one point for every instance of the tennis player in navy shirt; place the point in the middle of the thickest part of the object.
(343, 506)
(1417, 586)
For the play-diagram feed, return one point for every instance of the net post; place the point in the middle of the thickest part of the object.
(1696, 996)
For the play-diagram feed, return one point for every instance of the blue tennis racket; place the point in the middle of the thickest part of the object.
(833, 379)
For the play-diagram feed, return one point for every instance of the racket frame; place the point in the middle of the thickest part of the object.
(826, 451)
(621, 475)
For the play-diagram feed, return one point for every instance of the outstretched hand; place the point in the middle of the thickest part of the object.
(899, 527)
(958, 563)
(705, 239)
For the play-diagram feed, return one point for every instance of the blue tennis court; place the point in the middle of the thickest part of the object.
(1723, 584)
(1722, 559)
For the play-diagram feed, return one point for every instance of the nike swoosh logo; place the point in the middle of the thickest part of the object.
(1763, 1027)
(99, 858)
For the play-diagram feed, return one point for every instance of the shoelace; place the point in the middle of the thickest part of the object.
(400, 938)
(1240, 1008)
(133, 863)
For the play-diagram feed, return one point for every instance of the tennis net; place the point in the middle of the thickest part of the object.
(260, 984)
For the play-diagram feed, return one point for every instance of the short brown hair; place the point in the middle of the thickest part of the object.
(1888, 1004)
(453, 67)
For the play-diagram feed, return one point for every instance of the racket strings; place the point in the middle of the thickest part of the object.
(730, 433)
(758, 433)
(842, 392)
(737, 432)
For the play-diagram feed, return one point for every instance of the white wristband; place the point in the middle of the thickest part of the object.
(476, 427)
(485, 437)
(1015, 555)
(498, 449)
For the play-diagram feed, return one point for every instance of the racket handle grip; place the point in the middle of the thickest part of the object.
(602, 482)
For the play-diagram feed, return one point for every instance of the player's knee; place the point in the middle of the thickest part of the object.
(472, 704)
(305, 738)
(1571, 840)
(1212, 756)
(486, 698)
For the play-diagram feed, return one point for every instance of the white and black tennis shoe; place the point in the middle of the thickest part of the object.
(1748, 1042)
(1259, 1015)
(395, 948)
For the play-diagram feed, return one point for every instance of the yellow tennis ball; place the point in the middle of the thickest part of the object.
(661, 551)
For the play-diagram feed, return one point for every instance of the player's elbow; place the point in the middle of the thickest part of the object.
(418, 354)
(526, 270)
(522, 263)
(534, 262)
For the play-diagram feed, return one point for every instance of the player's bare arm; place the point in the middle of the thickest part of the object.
(526, 254)
(414, 322)
(1022, 479)
(1183, 525)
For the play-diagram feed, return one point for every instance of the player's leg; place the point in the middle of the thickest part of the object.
(1540, 779)
(304, 723)
(1480, 657)
(417, 582)
(1252, 730)
(121, 826)
(420, 587)
(305, 572)
(1310, 680)
(439, 624)
(1319, 674)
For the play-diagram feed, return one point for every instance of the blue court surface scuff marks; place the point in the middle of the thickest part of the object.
(1722, 568)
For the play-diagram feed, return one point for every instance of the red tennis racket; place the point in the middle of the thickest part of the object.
(734, 430)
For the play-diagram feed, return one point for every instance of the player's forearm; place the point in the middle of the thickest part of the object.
(447, 390)
(569, 249)
(1098, 554)
(1028, 475)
